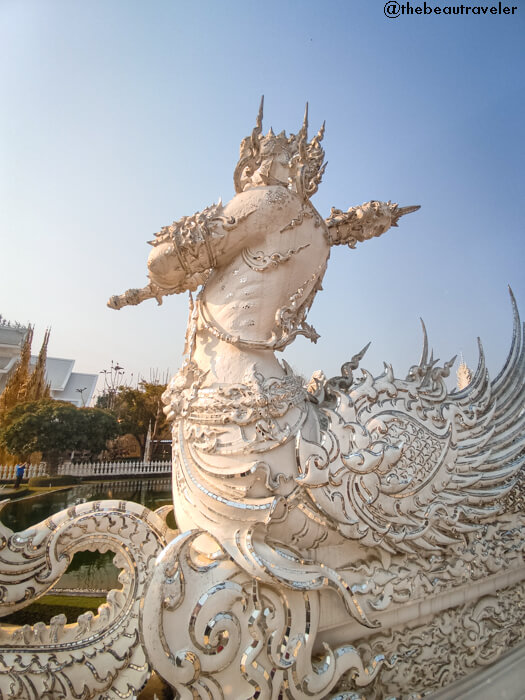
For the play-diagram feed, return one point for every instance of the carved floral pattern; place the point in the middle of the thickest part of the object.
(454, 644)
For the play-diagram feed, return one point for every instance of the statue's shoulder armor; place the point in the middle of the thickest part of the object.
(191, 236)
(187, 250)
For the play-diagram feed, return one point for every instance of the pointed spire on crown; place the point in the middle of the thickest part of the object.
(257, 130)
(304, 128)
(302, 136)
(305, 162)
(319, 136)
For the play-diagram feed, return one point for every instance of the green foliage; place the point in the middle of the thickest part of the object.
(138, 408)
(54, 427)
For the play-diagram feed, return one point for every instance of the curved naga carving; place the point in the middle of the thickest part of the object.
(216, 632)
(98, 656)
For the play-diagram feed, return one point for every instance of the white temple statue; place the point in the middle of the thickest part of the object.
(316, 524)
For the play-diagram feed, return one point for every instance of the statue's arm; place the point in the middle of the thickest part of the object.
(362, 223)
(183, 255)
(132, 297)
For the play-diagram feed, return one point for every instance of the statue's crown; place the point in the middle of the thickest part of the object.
(302, 159)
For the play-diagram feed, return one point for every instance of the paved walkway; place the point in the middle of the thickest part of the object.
(9, 491)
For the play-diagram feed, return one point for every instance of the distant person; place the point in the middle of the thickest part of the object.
(20, 469)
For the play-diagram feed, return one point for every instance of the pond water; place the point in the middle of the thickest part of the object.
(22, 513)
(88, 570)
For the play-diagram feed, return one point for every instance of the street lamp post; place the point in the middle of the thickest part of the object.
(81, 392)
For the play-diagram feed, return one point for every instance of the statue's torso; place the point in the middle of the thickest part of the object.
(240, 421)
(257, 296)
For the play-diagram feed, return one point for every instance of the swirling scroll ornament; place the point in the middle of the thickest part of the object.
(261, 261)
(213, 631)
(97, 656)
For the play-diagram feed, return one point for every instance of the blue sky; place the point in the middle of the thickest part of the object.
(119, 117)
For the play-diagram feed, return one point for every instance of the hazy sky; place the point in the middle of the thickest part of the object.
(120, 116)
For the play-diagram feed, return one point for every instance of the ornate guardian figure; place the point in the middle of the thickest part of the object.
(358, 537)
(244, 427)
(288, 497)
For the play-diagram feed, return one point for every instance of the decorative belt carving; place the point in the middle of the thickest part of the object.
(245, 403)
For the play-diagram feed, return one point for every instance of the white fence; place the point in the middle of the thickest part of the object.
(87, 469)
(7, 473)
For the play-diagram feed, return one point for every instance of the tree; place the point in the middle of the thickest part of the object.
(14, 391)
(137, 409)
(37, 387)
(23, 384)
(54, 428)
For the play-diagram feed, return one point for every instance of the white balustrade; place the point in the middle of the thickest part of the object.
(86, 469)
(8, 472)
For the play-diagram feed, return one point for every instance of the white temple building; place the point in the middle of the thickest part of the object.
(11, 338)
(76, 387)
(66, 385)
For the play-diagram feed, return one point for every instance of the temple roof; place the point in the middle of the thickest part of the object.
(66, 385)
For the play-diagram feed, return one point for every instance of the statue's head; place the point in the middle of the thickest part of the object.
(292, 161)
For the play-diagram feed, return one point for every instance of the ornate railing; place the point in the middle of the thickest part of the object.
(9, 472)
(87, 469)
(115, 468)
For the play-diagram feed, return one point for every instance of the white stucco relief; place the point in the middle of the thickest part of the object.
(326, 514)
